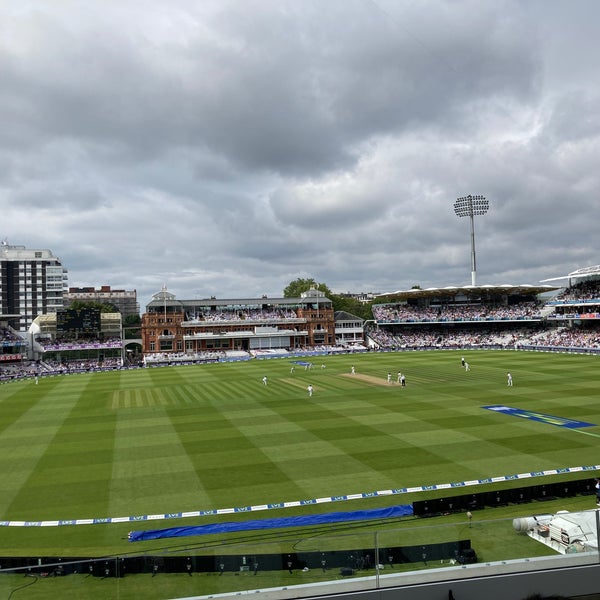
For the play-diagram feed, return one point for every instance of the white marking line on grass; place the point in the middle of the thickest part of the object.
(296, 503)
(586, 433)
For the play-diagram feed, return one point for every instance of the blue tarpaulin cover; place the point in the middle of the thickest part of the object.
(322, 519)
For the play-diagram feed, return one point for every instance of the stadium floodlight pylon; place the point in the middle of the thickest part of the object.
(469, 206)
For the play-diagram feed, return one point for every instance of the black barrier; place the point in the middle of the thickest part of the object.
(520, 495)
(352, 561)
(496, 498)
(452, 505)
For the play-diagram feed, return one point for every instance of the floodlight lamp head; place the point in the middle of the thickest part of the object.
(480, 205)
(463, 206)
(469, 206)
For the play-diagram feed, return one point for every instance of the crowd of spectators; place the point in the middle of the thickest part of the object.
(380, 337)
(184, 357)
(12, 346)
(242, 315)
(437, 339)
(45, 368)
(55, 367)
(403, 313)
(62, 344)
(162, 358)
(6, 335)
(474, 338)
(576, 339)
(304, 350)
(563, 338)
(583, 291)
(17, 371)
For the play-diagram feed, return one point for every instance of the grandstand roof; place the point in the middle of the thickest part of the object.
(470, 290)
(342, 315)
(593, 271)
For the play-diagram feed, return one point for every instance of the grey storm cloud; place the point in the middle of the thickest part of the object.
(227, 147)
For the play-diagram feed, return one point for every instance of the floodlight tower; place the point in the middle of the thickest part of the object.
(469, 206)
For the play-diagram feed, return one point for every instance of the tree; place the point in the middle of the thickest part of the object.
(339, 302)
(352, 306)
(132, 320)
(296, 287)
(103, 307)
(132, 326)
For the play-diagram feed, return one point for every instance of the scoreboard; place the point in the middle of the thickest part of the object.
(78, 320)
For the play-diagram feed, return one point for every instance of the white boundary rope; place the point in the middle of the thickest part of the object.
(296, 503)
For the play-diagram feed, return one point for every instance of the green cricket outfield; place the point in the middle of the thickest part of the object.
(182, 439)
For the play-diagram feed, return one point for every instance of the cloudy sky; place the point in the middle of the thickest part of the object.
(228, 147)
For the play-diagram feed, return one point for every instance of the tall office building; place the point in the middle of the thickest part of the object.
(32, 283)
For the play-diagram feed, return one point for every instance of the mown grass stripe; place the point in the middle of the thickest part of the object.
(45, 452)
(160, 457)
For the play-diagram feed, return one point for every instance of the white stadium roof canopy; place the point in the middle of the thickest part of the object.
(593, 271)
(470, 290)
